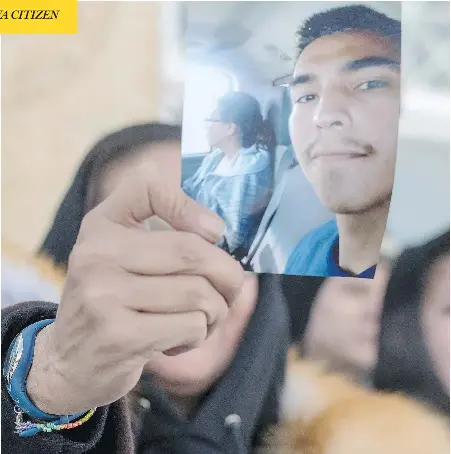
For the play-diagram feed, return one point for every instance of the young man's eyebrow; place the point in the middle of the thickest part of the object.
(301, 79)
(369, 62)
(353, 65)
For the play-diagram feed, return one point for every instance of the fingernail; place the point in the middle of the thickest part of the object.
(213, 225)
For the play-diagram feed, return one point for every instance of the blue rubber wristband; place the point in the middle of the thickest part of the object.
(16, 369)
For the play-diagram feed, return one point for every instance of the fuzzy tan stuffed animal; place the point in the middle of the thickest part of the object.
(326, 413)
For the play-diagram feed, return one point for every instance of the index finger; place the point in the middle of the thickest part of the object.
(149, 193)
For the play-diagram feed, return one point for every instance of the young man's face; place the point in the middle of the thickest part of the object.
(344, 123)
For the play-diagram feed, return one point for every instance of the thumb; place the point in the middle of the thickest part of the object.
(150, 193)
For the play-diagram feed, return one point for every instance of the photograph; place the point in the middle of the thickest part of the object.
(132, 322)
(290, 130)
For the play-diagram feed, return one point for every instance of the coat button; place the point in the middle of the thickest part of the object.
(144, 403)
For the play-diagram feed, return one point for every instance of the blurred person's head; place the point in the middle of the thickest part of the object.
(344, 324)
(346, 105)
(237, 122)
(108, 163)
(414, 354)
(336, 319)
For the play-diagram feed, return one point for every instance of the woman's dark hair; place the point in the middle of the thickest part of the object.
(348, 18)
(83, 194)
(244, 110)
(404, 363)
(300, 293)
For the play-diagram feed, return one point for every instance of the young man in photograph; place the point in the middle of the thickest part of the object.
(344, 130)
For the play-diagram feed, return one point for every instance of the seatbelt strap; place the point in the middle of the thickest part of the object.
(270, 212)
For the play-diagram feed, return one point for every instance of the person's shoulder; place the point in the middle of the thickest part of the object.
(311, 249)
(253, 160)
(327, 229)
(212, 158)
(319, 235)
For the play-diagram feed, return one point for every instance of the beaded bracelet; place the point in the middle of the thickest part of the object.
(28, 428)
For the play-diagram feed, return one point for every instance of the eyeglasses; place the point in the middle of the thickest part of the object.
(283, 81)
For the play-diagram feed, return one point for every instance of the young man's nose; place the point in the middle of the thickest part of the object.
(331, 112)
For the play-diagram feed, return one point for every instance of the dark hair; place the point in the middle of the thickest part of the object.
(300, 293)
(348, 18)
(83, 194)
(244, 110)
(404, 363)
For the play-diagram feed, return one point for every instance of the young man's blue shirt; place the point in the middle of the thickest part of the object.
(316, 254)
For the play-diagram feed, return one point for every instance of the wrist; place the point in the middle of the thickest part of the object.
(46, 387)
(39, 376)
(30, 381)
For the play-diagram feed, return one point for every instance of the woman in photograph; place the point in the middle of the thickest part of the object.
(235, 178)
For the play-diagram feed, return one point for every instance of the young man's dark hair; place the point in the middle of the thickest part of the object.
(345, 19)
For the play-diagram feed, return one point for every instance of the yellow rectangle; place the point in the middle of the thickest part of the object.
(24, 17)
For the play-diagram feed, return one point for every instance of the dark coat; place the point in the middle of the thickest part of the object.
(249, 389)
